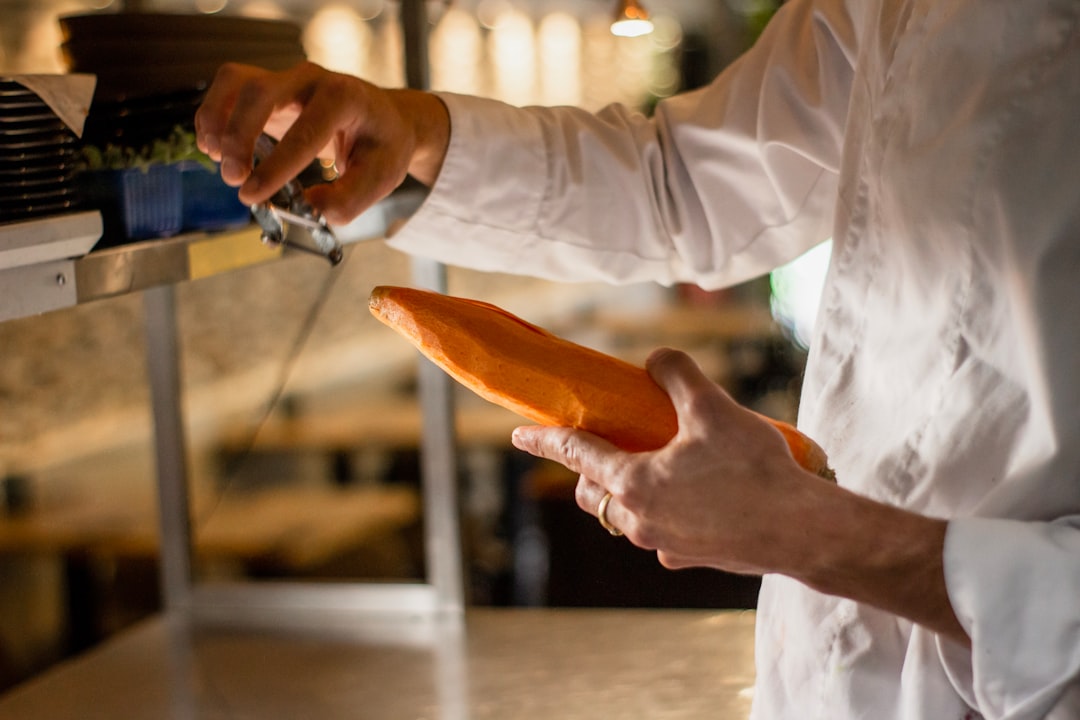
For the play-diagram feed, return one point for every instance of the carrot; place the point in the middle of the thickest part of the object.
(544, 378)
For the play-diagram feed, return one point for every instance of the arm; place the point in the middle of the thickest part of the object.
(720, 185)
(726, 493)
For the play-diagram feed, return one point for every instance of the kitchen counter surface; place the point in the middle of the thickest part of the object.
(519, 664)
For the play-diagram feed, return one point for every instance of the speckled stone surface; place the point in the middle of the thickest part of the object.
(508, 664)
(73, 382)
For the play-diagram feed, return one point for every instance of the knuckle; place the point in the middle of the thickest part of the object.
(254, 88)
(309, 70)
(620, 478)
(303, 135)
(336, 85)
(669, 561)
(632, 480)
(663, 471)
(566, 446)
(229, 72)
(645, 534)
(630, 495)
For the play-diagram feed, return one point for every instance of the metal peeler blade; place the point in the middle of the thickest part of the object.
(288, 207)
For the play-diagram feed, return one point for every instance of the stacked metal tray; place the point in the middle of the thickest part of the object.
(137, 54)
(38, 157)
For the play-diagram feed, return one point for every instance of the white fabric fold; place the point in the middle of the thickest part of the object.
(1015, 587)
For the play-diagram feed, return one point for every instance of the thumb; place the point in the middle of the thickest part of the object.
(691, 392)
(678, 374)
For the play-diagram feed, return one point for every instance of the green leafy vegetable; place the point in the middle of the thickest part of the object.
(179, 146)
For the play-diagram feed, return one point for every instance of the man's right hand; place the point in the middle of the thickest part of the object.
(374, 136)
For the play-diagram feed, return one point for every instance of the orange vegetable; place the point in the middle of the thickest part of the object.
(544, 378)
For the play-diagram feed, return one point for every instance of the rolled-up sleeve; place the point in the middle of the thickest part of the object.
(1016, 589)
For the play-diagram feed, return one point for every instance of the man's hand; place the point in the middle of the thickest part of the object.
(374, 136)
(726, 493)
(716, 495)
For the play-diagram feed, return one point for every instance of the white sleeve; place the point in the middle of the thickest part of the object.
(1013, 573)
(1016, 590)
(722, 184)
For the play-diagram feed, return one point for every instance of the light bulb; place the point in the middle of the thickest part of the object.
(631, 20)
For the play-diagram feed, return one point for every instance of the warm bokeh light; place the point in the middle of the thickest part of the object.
(631, 27)
(40, 48)
(667, 33)
(457, 53)
(615, 69)
(559, 38)
(209, 7)
(513, 51)
(368, 9)
(488, 12)
(631, 20)
(386, 63)
(267, 9)
(597, 57)
(664, 76)
(338, 39)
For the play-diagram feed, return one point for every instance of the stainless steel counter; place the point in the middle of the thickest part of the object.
(505, 664)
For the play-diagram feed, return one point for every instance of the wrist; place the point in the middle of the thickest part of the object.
(430, 122)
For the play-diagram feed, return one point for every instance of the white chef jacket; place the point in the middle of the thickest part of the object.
(938, 143)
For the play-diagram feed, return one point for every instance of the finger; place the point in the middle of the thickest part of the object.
(216, 106)
(361, 185)
(312, 131)
(677, 373)
(258, 95)
(682, 379)
(290, 157)
(373, 163)
(590, 498)
(581, 452)
(673, 561)
(678, 561)
(588, 494)
(235, 110)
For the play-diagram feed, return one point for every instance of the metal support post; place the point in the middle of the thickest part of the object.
(163, 367)
(435, 389)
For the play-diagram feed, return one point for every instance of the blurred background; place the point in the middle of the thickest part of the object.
(303, 425)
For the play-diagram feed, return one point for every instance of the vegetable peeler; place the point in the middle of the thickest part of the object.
(288, 207)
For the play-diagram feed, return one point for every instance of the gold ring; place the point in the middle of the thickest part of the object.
(601, 515)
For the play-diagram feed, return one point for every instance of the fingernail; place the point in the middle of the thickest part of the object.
(211, 145)
(516, 439)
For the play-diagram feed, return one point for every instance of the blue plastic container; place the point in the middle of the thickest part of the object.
(135, 204)
(151, 201)
(209, 204)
